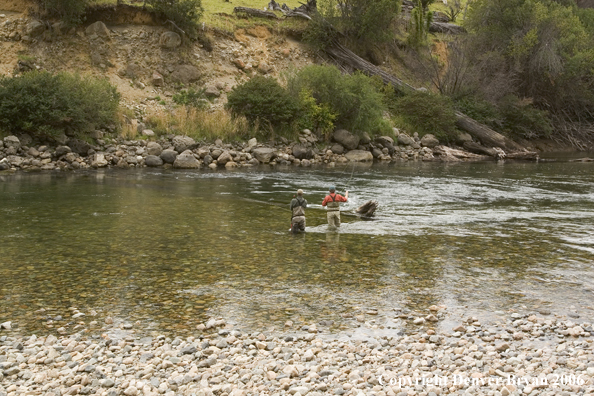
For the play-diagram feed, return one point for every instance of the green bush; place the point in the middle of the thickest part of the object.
(479, 110)
(365, 22)
(355, 99)
(185, 14)
(521, 120)
(263, 99)
(69, 11)
(45, 105)
(191, 97)
(424, 112)
(314, 116)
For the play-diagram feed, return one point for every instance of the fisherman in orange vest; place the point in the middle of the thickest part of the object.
(332, 202)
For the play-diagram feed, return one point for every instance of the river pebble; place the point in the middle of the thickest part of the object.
(554, 356)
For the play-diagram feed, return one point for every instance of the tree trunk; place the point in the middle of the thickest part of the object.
(350, 60)
(445, 153)
(476, 148)
(485, 134)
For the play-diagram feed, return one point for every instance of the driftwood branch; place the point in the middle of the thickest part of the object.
(445, 153)
(367, 209)
(255, 12)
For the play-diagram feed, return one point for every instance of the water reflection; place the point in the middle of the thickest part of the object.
(171, 249)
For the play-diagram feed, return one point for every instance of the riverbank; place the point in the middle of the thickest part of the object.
(526, 354)
(183, 152)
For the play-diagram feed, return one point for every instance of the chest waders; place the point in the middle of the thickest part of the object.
(333, 206)
(299, 210)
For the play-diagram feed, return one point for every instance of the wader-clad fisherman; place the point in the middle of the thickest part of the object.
(332, 201)
(298, 205)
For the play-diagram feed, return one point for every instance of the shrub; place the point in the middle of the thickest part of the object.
(191, 97)
(265, 100)
(420, 21)
(355, 99)
(185, 14)
(479, 110)
(425, 113)
(511, 116)
(69, 11)
(366, 22)
(318, 117)
(522, 120)
(45, 105)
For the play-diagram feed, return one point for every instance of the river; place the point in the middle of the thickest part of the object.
(166, 250)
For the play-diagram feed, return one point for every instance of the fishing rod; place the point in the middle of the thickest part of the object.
(351, 178)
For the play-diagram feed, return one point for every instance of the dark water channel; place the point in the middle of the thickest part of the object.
(167, 250)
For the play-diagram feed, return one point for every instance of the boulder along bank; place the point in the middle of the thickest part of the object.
(183, 152)
(523, 354)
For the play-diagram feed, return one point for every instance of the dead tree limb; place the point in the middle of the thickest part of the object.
(255, 12)
(297, 14)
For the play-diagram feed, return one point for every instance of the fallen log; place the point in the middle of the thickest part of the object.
(523, 155)
(476, 148)
(486, 135)
(347, 58)
(448, 154)
(255, 12)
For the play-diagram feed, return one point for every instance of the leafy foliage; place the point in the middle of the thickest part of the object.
(420, 21)
(364, 21)
(355, 99)
(318, 117)
(512, 116)
(191, 97)
(544, 48)
(425, 113)
(263, 99)
(454, 8)
(522, 120)
(69, 11)
(46, 105)
(185, 14)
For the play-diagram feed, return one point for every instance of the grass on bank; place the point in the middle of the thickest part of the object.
(219, 14)
(199, 124)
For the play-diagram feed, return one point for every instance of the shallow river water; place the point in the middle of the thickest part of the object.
(167, 250)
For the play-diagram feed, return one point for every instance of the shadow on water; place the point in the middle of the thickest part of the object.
(171, 249)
